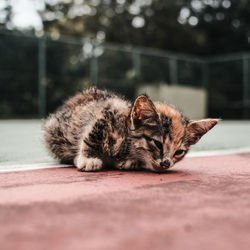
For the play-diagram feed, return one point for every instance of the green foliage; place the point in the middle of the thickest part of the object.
(193, 26)
(223, 25)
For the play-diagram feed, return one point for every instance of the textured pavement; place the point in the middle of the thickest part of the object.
(202, 203)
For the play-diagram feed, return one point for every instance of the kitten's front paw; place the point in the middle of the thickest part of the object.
(88, 164)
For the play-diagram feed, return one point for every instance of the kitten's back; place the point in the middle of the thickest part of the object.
(63, 129)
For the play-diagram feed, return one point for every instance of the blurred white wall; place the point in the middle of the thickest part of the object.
(192, 101)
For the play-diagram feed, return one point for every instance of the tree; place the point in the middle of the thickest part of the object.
(191, 26)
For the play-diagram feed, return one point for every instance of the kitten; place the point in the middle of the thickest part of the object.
(96, 128)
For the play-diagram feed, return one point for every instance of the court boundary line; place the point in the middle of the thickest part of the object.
(219, 152)
(49, 165)
(30, 166)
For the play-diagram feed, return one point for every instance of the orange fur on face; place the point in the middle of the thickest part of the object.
(184, 133)
(174, 140)
(175, 115)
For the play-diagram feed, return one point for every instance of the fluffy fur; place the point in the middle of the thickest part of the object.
(97, 128)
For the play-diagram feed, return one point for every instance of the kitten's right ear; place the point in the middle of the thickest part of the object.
(196, 129)
(143, 112)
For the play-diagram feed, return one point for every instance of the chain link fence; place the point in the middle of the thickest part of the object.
(38, 73)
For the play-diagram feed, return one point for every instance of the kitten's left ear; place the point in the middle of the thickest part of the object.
(143, 112)
(196, 129)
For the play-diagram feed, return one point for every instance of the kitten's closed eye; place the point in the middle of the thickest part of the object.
(158, 144)
(179, 153)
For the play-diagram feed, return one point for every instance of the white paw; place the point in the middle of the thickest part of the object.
(87, 164)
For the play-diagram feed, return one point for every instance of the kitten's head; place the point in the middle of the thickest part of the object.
(161, 135)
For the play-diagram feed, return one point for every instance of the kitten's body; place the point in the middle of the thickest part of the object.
(96, 127)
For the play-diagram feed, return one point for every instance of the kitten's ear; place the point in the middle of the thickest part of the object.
(196, 129)
(143, 112)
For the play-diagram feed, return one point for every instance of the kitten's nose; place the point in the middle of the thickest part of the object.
(165, 163)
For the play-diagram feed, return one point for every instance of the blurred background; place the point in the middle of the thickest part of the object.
(188, 52)
(191, 53)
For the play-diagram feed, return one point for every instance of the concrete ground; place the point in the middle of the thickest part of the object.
(202, 203)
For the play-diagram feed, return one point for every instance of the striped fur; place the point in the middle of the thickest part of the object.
(97, 128)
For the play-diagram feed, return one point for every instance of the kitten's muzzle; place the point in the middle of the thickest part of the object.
(165, 164)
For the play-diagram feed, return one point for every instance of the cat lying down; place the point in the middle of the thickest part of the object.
(95, 128)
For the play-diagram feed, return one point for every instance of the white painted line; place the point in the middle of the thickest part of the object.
(219, 152)
(36, 166)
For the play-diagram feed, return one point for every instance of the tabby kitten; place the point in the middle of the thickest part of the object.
(96, 128)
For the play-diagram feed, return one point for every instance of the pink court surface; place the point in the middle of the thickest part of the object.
(202, 203)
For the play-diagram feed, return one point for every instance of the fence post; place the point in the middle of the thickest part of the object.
(205, 82)
(136, 62)
(42, 76)
(205, 75)
(173, 71)
(93, 65)
(246, 88)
